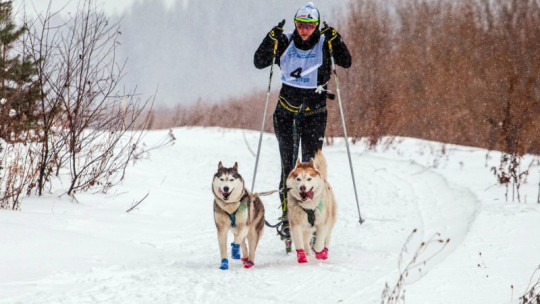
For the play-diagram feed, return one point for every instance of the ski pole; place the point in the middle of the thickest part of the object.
(343, 122)
(538, 200)
(265, 108)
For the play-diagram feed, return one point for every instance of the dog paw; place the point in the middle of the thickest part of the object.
(323, 255)
(235, 252)
(248, 264)
(301, 256)
(224, 264)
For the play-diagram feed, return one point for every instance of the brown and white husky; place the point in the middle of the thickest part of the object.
(235, 210)
(311, 207)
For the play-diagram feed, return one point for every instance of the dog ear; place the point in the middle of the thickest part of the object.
(220, 165)
(298, 162)
(313, 164)
(235, 167)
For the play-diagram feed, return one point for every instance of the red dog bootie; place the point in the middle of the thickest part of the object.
(249, 264)
(301, 256)
(323, 255)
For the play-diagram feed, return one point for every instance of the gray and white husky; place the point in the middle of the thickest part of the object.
(311, 207)
(235, 210)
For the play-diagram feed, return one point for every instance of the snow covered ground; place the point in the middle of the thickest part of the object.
(56, 250)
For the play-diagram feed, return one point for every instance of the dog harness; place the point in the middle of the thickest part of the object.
(311, 213)
(243, 206)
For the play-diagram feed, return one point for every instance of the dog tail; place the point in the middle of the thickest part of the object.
(320, 163)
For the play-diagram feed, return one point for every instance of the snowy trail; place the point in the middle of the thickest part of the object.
(166, 250)
(407, 196)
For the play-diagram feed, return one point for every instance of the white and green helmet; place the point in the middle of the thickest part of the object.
(307, 13)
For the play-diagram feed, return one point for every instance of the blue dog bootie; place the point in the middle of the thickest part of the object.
(235, 253)
(224, 264)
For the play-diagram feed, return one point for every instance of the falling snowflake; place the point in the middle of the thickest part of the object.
(12, 113)
(3, 101)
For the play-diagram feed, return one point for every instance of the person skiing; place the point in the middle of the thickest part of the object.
(300, 116)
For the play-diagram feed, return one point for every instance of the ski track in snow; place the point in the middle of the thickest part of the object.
(180, 265)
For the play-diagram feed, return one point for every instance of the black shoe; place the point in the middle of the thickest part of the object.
(288, 246)
(313, 239)
(285, 234)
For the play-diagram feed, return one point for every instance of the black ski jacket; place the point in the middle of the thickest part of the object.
(304, 97)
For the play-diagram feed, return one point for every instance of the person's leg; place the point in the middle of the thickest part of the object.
(285, 128)
(312, 132)
(312, 129)
(287, 137)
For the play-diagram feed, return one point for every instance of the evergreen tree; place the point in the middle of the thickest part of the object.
(19, 91)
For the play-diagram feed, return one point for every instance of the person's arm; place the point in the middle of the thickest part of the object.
(342, 56)
(265, 51)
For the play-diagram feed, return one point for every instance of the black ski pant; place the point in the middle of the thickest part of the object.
(294, 130)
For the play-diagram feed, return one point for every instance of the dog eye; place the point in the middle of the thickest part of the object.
(231, 180)
(222, 179)
(309, 179)
(298, 179)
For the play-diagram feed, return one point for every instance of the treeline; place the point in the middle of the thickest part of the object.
(464, 72)
(243, 112)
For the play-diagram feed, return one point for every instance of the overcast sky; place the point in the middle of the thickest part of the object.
(195, 50)
(110, 6)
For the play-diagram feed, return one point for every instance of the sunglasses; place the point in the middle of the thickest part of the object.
(306, 25)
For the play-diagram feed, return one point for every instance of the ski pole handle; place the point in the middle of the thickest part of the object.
(280, 25)
(329, 41)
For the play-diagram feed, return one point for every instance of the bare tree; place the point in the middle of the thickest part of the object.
(532, 295)
(17, 173)
(42, 33)
(410, 265)
(89, 123)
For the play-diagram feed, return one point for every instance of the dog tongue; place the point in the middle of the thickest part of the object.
(310, 194)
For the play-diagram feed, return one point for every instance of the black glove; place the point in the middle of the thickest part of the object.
(276, 32)
(330, 33)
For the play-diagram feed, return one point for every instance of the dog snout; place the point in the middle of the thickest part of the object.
(225, 189)
(303, 188)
